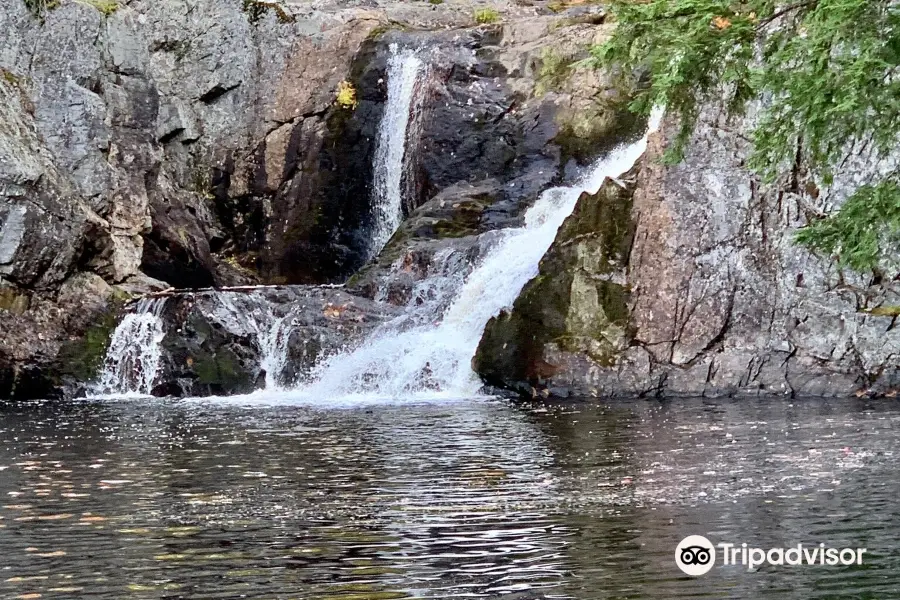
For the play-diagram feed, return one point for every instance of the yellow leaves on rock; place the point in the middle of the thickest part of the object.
(346, 95)
(721, 23)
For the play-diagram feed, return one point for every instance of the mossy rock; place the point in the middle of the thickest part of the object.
(220, 370)
(573, 303)
(584, 135)
(83, 358)
(12, 301)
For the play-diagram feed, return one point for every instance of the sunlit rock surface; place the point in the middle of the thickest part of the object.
(716, 297)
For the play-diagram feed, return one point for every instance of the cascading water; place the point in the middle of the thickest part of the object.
(430, 352)
(244, 314)
(404, 73)
(132, 359)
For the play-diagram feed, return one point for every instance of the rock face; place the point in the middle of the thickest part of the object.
(712, 296)
(507, 115)
(195, 143)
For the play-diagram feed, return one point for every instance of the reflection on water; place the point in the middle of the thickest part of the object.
(154, 499)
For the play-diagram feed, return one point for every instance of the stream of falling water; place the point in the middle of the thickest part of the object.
(433, 356)
(249, 314)
(404, 73)
(132, 359)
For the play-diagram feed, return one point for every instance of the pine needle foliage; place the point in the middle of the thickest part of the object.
(828, 72)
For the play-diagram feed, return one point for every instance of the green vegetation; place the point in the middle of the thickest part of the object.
(866, 227)
(484, 16)
(553, 71)
(39, 7)
(825, 70)
(82, 358)
(107, 7)
(10, 77)
(346, 95)
(256, 9)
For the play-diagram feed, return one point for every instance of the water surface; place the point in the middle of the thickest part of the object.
(457, 499)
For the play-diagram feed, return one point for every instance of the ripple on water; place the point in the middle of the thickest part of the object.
(461, 498)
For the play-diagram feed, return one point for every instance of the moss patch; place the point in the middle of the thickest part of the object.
(484, 16)
(12, 301)
(582, 136)
(553, 71)
(107, 7)
(83, 358)
(257, 9)
(220, 369)
(39, 7)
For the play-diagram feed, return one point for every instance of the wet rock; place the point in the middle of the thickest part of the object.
(494, 136)
(223, 342)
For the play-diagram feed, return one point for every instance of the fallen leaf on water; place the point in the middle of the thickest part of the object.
(136, 530)
(29, 596)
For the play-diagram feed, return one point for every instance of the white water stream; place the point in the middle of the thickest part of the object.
(250, 314)
(405, 73)
(433, 356)
(132, 359)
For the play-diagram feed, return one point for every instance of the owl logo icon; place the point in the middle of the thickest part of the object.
(695, 555)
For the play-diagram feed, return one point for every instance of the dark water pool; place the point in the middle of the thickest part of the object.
(469, 499)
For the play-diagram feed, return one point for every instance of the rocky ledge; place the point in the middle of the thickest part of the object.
(234, 341)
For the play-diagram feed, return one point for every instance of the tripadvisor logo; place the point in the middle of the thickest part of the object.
(695, 555)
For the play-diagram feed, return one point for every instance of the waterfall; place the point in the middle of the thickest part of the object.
(134, 352)
(404, 72)
(429, 349)
(250, 314)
